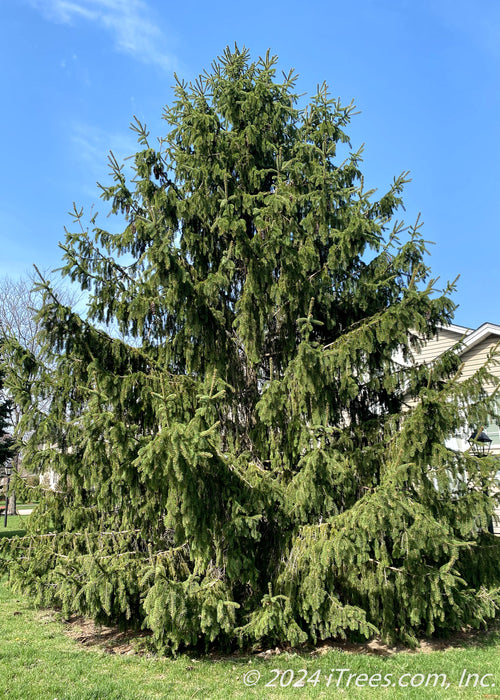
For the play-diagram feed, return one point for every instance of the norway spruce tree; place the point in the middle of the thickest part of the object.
(246, 450)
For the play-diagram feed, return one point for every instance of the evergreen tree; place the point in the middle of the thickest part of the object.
(256, 457)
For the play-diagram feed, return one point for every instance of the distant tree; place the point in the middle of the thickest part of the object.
(263, 462)
(18, 306)
(6, 441)
(20, 302)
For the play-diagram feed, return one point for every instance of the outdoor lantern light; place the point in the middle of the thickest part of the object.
(480, 443)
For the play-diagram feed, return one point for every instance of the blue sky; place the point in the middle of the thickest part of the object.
(425, 75)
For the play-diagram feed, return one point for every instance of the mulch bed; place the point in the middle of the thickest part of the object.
(116, 641)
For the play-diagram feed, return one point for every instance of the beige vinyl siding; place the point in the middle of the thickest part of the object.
(434, 347)
(475, 358)
(442, 341)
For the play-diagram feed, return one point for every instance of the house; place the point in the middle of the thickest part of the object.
(476, 345)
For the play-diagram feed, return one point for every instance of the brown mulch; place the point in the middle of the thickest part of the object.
(110, 639)
(116, 641)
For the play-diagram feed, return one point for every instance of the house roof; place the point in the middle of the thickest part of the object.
(472, 337)
(480, 333)
(459, 330)
(468, 337)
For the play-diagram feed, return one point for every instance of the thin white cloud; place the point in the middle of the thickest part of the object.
(129, 22)
(91, 146)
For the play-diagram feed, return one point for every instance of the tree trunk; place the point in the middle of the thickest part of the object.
(12, 507)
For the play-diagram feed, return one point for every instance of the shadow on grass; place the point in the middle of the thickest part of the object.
(12, 533)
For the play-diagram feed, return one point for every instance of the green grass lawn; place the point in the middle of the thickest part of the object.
(16, 525)
(39, 661)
